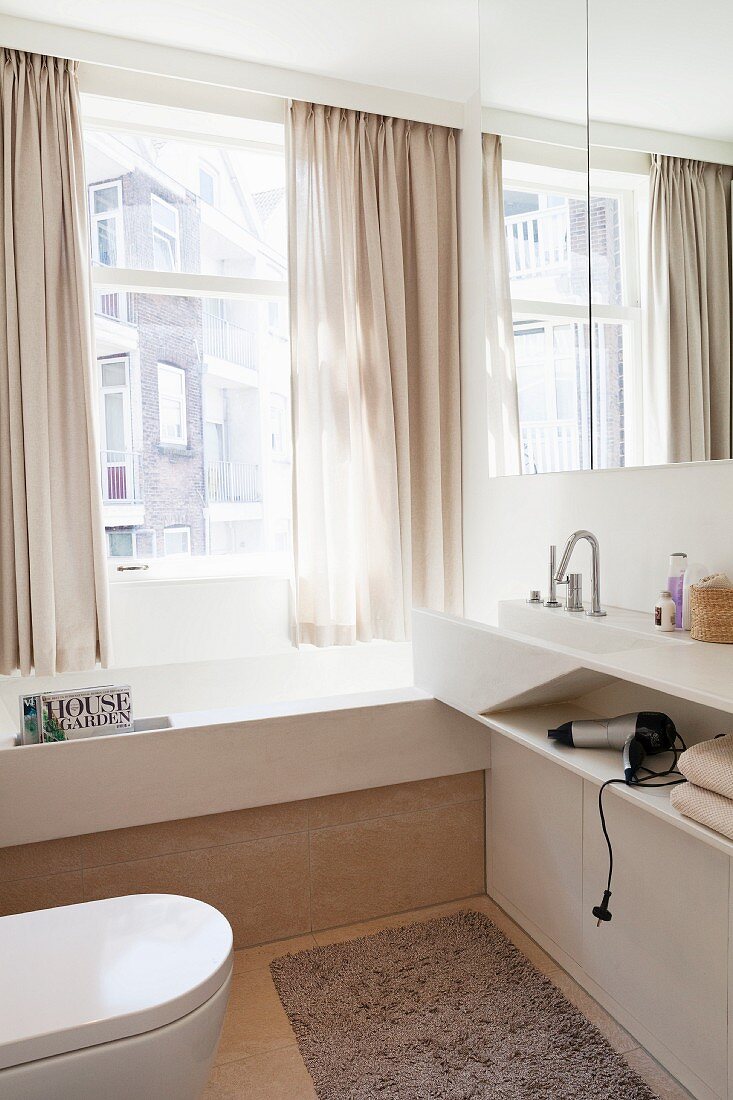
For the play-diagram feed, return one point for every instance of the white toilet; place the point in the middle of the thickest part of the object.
(121, 999)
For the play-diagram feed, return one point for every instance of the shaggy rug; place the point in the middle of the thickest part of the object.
(445, 1009)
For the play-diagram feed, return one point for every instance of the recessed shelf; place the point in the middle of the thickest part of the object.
(529, 725)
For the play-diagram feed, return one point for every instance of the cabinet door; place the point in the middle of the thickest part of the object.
(534, 840)
(663, 956)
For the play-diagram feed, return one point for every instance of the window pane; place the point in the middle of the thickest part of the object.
(606, 251)
(120, 544)
(613, 421)
(105, 198)
(547, 246)
(114, 373)
(552, 373)
(228, 486)
(177, 540)
(206, 186)
(237, 227)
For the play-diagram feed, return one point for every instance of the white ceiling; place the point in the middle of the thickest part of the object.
(655, 64)
(423, 46)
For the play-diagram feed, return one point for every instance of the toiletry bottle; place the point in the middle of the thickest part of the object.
(694, 573)
(677, 565)
(665, 612)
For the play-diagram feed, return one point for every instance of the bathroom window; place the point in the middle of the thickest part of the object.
(200, 423)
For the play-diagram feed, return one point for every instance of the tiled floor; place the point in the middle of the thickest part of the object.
(258, 1056)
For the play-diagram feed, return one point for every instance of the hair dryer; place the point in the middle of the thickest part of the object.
(636, 735)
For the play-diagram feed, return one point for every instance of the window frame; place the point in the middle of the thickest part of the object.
(179, 374)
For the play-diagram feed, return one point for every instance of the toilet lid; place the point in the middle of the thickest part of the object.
(80, 975)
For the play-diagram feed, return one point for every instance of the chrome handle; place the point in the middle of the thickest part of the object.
(132, 568)
(574, 598)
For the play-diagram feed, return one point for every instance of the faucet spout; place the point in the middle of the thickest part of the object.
(596, 567)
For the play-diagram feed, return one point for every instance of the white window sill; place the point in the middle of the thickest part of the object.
(186, 569)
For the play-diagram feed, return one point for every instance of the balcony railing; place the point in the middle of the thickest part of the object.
(115, 305)
(230, 342)
(121, 477)
(550, 446)
(233, 483)
(538, 242)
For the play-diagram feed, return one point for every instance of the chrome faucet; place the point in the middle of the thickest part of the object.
(596, 567)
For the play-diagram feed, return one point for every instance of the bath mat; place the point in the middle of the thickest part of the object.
(446, 1009)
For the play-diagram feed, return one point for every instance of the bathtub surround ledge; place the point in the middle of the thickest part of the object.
(262, 757)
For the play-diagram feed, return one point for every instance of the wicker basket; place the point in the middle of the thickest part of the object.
(712, 614)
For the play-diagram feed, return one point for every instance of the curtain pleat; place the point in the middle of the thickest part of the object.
(687, 380)
(376, 403)
(53, 589)
(503, 406)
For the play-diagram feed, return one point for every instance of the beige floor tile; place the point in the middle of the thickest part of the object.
(254, 958)
(656, 1078)
(617, 1036)
(255, 1020)
(280, 1075)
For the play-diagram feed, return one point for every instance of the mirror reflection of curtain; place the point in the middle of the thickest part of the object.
(503, 408)
(687, 380)
(376, 386)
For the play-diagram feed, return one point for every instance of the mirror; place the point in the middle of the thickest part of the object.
(661, 164)
(536, 252)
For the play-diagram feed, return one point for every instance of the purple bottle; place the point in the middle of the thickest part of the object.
(677, 566)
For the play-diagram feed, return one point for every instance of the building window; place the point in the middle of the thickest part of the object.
(278, 426)
(177, 542)
(172, 401)
(207, 183)
(121, 544)
(165, 235)
(105, 213)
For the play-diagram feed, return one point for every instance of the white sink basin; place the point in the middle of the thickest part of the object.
(616, 632)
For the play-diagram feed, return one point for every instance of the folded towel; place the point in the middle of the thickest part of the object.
(710, 765)
(715, 580)
(707, 807)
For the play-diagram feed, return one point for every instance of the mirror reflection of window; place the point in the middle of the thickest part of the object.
(546, 224)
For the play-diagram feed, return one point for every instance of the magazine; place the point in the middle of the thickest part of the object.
(81, 712)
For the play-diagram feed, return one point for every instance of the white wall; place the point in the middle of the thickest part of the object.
(640, 516)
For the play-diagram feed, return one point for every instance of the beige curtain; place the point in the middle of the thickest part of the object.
(503, 408)
(376, 407)
(687, 381)
(53, 599)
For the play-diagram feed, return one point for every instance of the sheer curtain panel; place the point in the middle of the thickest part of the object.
(53, 595)
(376, 406)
